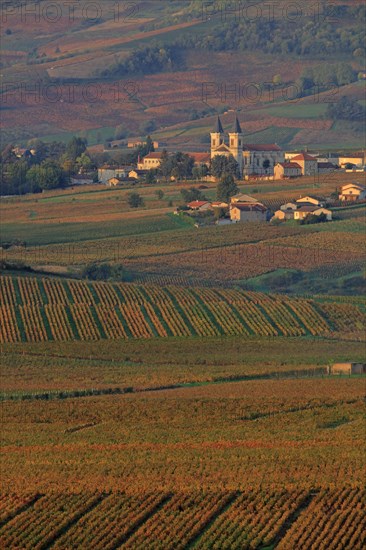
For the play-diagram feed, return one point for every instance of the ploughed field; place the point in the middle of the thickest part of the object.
(36, 310)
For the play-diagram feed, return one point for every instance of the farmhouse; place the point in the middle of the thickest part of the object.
(248, 212)
(251, 158)
(199, 206)
(284, 170)
(308, 164)
(305, 211)
(152, 160)
(353, 192)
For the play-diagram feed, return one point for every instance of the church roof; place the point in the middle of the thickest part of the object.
(261, 147)
(236, 126)
(218, 128)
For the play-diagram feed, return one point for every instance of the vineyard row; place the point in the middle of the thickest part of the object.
(35, 310)
(284, 518)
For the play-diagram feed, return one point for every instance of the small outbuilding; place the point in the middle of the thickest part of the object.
(348, 368)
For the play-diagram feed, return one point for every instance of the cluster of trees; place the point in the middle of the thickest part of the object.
(315, 35)
(149, 60)
(221, 165)
(324, 77)
(106, 272)
(181, 166)
(178, 165)
(43, 166)
(346, 109)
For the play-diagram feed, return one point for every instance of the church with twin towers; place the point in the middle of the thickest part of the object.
(253, 159)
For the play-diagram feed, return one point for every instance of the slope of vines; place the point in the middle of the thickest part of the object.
(289, 518)
(36, 310)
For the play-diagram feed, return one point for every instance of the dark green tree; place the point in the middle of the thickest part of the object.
(226, 188)
(75, 148)
(135, 200)
(222, 165)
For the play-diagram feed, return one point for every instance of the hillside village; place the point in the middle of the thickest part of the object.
(253, 161)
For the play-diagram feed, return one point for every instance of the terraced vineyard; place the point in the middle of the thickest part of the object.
(231, 520)
(35, 310)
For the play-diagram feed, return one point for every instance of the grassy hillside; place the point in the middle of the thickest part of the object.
(69, 55)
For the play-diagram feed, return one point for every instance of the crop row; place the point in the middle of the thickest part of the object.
(40, 310)
(286, 518)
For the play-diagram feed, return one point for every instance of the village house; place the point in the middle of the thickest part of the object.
(137, 174)
(357, 160)
(219, 204)
(252, 159)
(248, 212)
(288, 206)
(107, 172)
(308, 164)
(353, 192)
(309, 201)
(81, 179)
(325, 167)
(24, 153)
(305, 211)
(283, 170)
(242, 197)
(199, 206)
(285, 214)
(150, 161)
(133, 144)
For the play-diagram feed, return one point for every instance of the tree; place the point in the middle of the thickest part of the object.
(47, 175)
(17, 177)
(76, 147)
(40, 148)
(159, 193)
(312, 218)
(222, 165)
(120, 132)
(135, 200)
(165, 167)
(199, 172)
(179, 165)
(149, 146)
(150, 177)
(84, 162)
(226, 188)
(147, 126)
(346, 109)
(192, 194)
